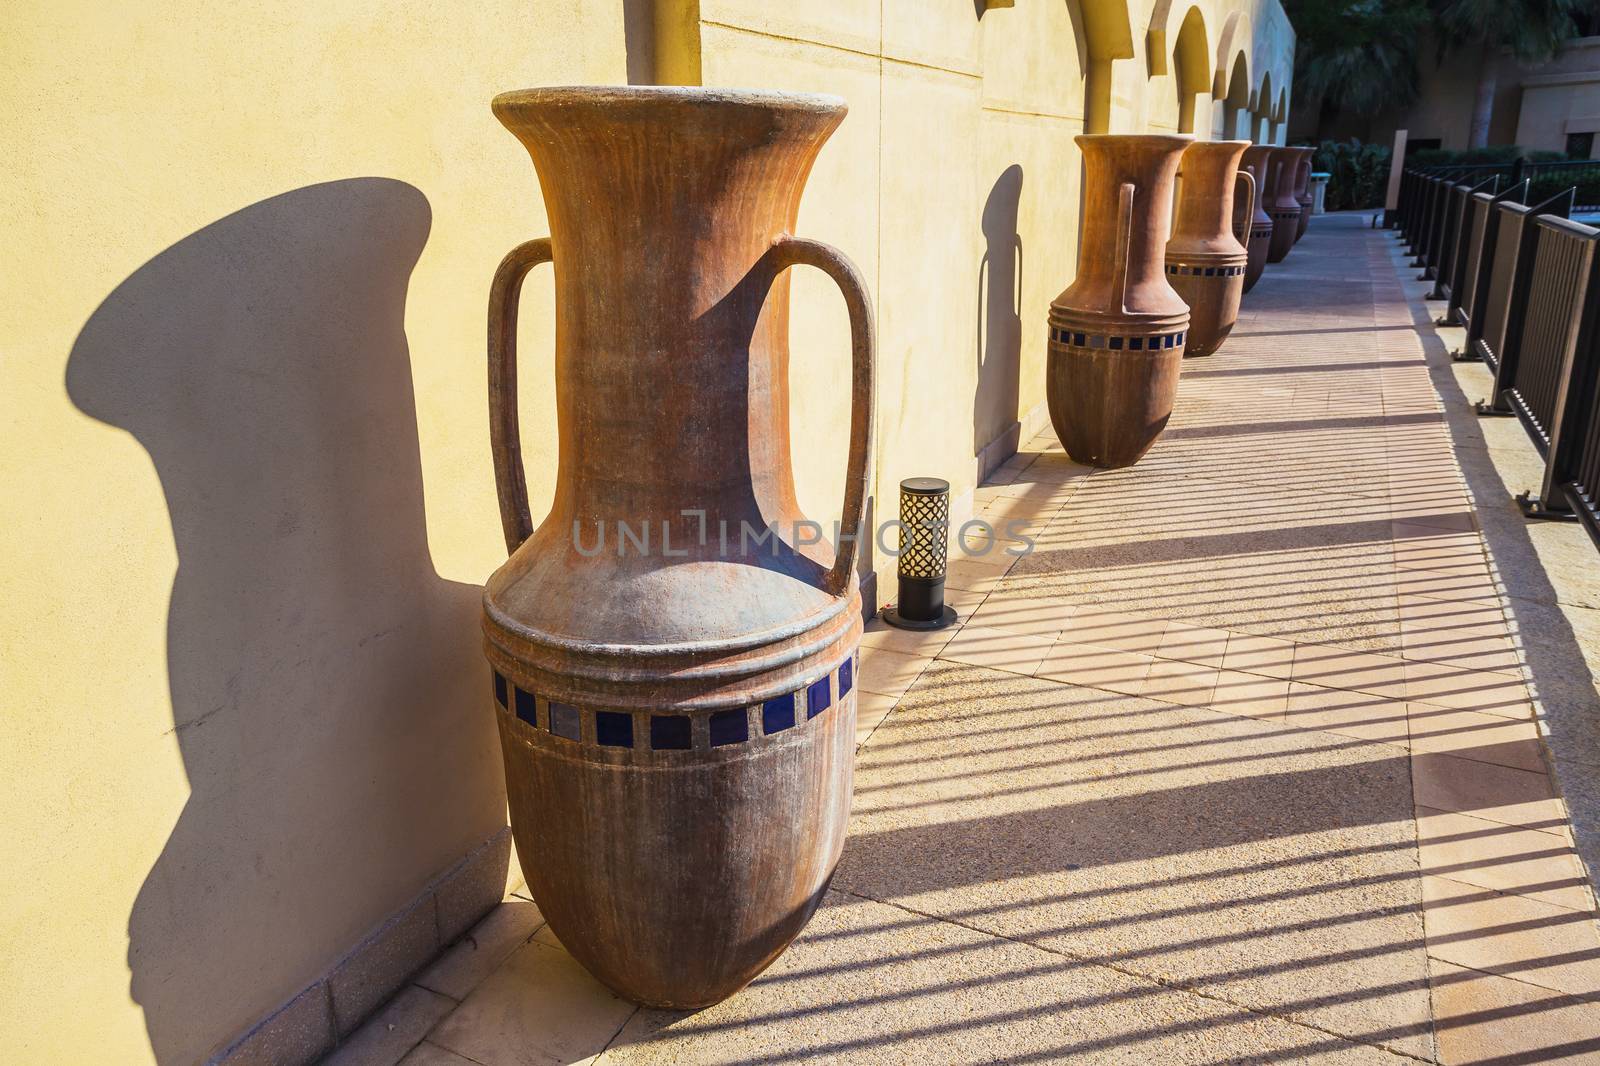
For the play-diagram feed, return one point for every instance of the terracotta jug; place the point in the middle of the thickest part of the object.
(1302, 190)
(1117, 332)
(1281, 204)
(1255, 229)
(678, 719)
(1205, 262)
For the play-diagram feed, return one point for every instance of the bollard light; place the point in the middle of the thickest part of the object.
(924, 553)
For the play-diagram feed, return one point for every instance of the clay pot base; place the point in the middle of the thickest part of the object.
(1212, 291)
(1285, 226)
(1108, 405)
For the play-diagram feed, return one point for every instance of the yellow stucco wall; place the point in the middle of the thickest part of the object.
(247, 470)
(248, 490)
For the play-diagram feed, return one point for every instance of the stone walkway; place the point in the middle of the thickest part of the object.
(1239, 765)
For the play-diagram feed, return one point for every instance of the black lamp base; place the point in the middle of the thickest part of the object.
(891, 616)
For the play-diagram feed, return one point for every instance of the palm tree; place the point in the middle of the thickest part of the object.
(1357, 56)
(1531, 30)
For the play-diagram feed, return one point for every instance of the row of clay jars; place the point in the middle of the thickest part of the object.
(1283, 203)
(1119, 332)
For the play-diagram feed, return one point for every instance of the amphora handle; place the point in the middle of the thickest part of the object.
(505, 436)
(1119, 263)
(1249, 180)
(799, 251)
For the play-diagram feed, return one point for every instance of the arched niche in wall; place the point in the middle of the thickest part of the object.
(1263, 115)
(1235, 95)
(1281, 115)
(1191, 67)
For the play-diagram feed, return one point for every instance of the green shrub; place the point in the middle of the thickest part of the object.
(1544, 184)
(1358, 173)
(1494, 153)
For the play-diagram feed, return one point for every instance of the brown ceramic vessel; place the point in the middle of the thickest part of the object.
(1282, 207)
(1205, 262)
(1254, 229)
(1117, 332)
(1302, 190)
(677, 717)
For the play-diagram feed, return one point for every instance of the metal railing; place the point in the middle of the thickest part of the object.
(1494, 325)
(1470, 275)
(1554, 390)
(1411, 214)
(1452, 241)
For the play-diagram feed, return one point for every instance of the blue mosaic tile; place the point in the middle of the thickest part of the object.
(613, 729)
(729, 727)
(671, 732)
(527, 708)
(777, 714)
(847, 676)
(499, 688)
(819, 696)
(564, 721)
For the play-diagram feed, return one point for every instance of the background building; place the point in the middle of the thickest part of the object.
(246, 441)
(1549, 105)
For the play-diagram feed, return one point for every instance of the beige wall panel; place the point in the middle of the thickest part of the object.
(946, 34)
(928, 284)
(1028, 184)
(1033, 59)
(840, 207)
(849, 24)
(246, 710)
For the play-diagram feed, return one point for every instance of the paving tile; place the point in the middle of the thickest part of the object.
(1541, 865)
(466, 963)
(1193, 644)
(1032, 616)
(1252, 654)
(1250, 694)
(998, 649)
(869, 983)
(1468, 690)
(924, 643)
(1116, 630)
(1342, 668)
(1351, 714)
(388, 1035)
(1512, 936)
(889, 673)
(974, 575)
(539, 1007)
(1477, 736)
(871, 709)
(1174, 681)
(1095, 667)
(1483, 1018)
(1496, 793)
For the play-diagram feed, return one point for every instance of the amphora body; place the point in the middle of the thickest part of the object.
(1255, 228)
(1282, 206)
(676, 700)
(1117, 332)
(1205, 262)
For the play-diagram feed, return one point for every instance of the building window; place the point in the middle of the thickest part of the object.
(1580, 145)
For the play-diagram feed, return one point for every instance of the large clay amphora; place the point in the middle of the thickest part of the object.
(1254, 228)
(1283, 208)
(1302, 190)
(1117, 332)
(1205, 262)
(674, 684)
